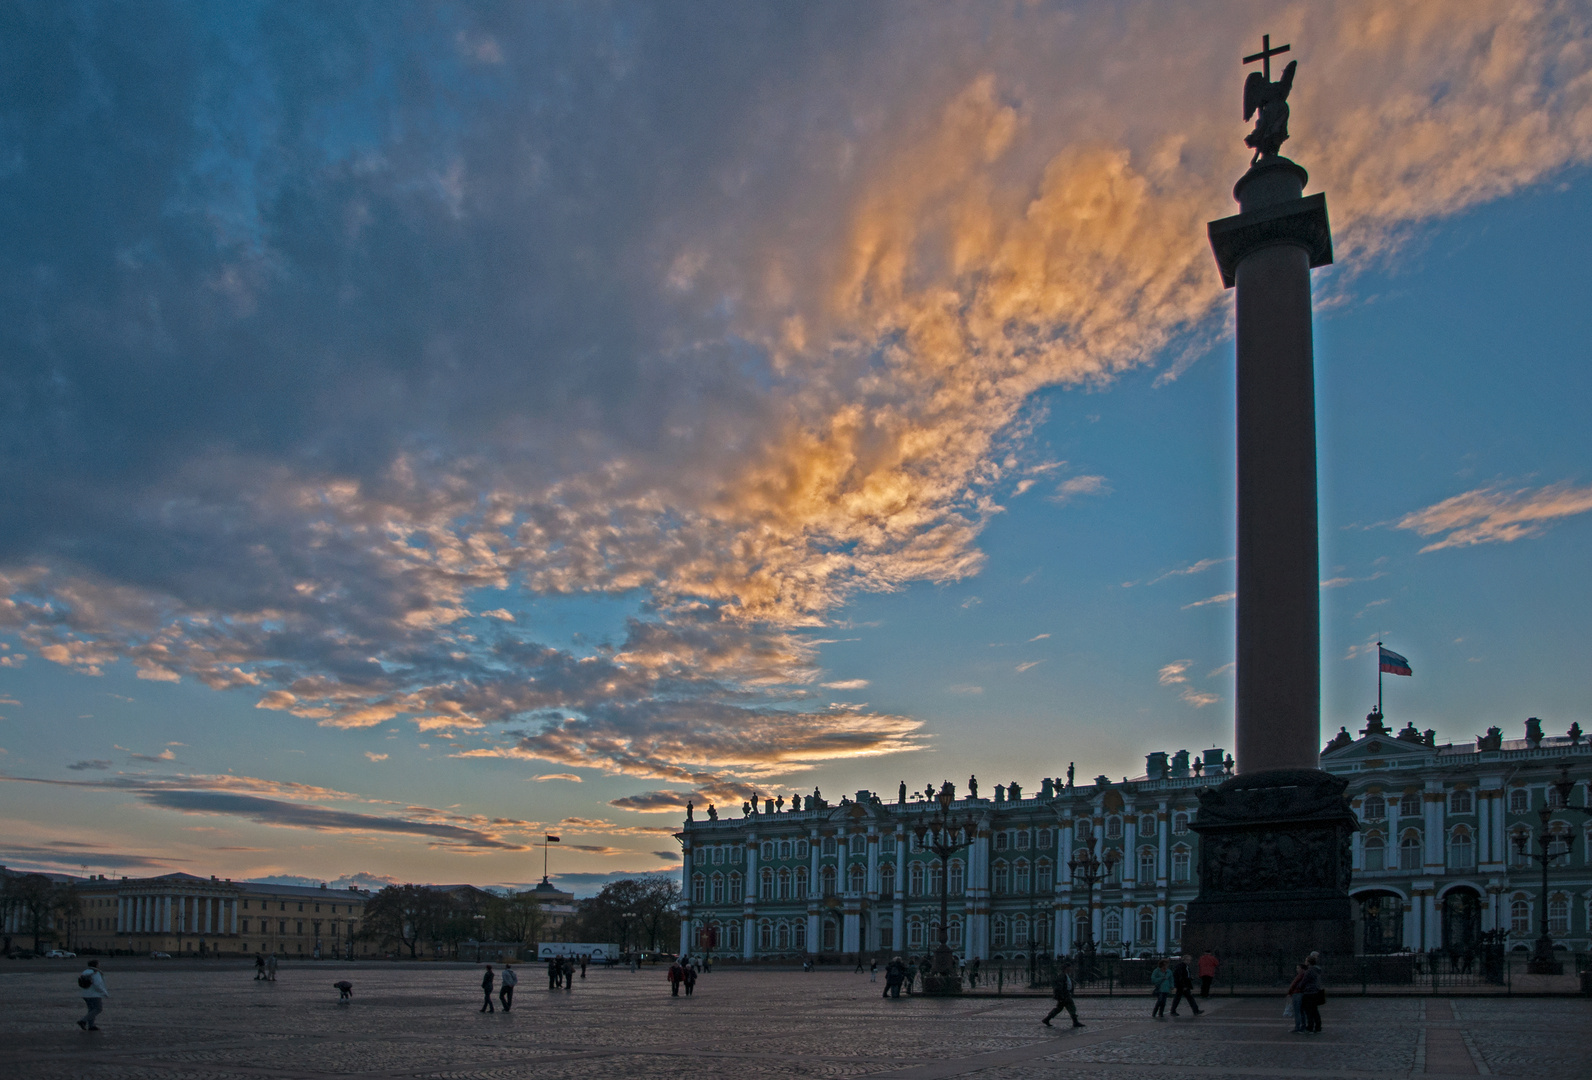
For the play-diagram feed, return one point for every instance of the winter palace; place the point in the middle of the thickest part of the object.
(1435, 865)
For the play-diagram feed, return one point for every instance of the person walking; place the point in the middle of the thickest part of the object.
(690, 977)
(552, 973)
(583, 958)
(259, 967)
(91, 987)
(1061, 988)
(1208, 965)
(506, 984)
(1183, 985)
(568, 970)
(873, 970)
(676, 977)
(486, 988)
(894, 974)
(910, 974)
(1161, 987)
(1312, 993)
(972, 973)
(270, 968)
(1294, 1008)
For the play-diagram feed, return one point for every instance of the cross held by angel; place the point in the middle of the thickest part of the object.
(1268, 99)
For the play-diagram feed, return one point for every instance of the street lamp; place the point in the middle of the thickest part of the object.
(1542, 961)
(944, 836)
(1088, 868)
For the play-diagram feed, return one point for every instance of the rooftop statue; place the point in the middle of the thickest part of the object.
(1270, 100)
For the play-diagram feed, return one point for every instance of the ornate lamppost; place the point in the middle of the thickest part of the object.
(1090, 869)
(944, 836)
(1542, 961)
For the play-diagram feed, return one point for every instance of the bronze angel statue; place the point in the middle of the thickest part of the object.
(1270, 99)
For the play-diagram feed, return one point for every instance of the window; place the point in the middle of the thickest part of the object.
(1375, 853)
(782, 935)
(698, 889)
(784, 884)
(1113, 928)
(1080, 927)
(1001, 841)
(244, 925)
(1373, 809)
(1410, 853)
(887, 844)
(765, 935)
(1021, 879)
(1146, 864)
(300, 928)
(859, 877)
(768, 851)
(1520, 917)
(831, 936)
(1461, 852)
(1459, 801)
(916, 878)
(915, 933)
(733, 939)
(1179, 824)
(887, 880)
(954, 934)
(1047, 880)
(828, 880)
(1113, 828)
(1083, 830)
(829, 845)
(1178, 919)
(737, 854)
(936, 878)
(1022, 839)
(1554, 801)
(1113, 867)
(784, 849)
(1516, 856)
(1180, 866)
(1410, 805)
(997, 931)
(1520, 801)
(765, 884)
(1147, 825)
(718, 854)
(958, 878)
(1146, 925)
(735, 888)
(718, 889)
(1020, 930)
(859, 843)
(1046, 840)
(801, 934)
(1559, 916)
(1002, 878)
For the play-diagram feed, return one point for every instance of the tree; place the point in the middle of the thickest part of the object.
(402, 913)
(641, 912)
(515, 917)
(42, 904)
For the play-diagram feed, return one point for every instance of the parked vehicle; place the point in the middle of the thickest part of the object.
(160, 956)
(59, 954)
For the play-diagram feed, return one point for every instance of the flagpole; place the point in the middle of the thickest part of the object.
(1379, 678)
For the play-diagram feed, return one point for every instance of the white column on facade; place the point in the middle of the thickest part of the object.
(1429, 919)
(850, 932)
(1435, 805)
(1483, 829)
(872, 885)
(165, 914)
(1163, 827)
(1130, 847)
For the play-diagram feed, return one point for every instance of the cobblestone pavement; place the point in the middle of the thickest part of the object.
(419, 1022)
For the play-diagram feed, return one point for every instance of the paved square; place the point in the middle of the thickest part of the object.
(212, 1020)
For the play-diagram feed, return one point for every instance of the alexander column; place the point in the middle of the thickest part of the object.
(1274, 840)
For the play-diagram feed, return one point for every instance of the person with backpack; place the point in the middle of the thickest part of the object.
(506, 985)
(1061, 988)
(91, 985)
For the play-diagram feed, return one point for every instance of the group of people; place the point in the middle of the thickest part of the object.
(561, 971)
(683, 973)
(899, 973)
(1177, 982)
(1306, 994)
(264, 968)
(506, 984)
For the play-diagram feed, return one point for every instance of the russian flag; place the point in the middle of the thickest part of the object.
(1392, 662)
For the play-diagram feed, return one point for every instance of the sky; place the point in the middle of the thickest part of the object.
(428, 427)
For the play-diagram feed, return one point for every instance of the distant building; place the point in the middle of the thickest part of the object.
(558, 912)
(1433, 862)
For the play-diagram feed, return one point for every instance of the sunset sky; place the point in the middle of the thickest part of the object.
(427, 426)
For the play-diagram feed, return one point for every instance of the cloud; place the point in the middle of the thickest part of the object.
(1081, 485)
(964, 688)
(846, 684)
(1193, 568)
(1198, 698)
(745, 317)
(573, 778)
(154, 759)
(667, 856)
(1494, 515)
(1225, 669)
(595, 849)
(1025, 665)
(97, 764)
(1038, 637)
(588, 883)
(69, 857)
(1172, 673)
(498, 613)
(375, 756)
(1219, 598)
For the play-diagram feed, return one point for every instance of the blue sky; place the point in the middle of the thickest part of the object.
(429, 427)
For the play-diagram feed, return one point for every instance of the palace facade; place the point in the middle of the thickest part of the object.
(1434, 861)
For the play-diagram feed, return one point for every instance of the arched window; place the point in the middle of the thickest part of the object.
(1001, 841)
(766, 884)
(953, 934)
(1461, 852)
(1147, 825)
(958, 878)
(1113, 863)
(916, 879)
(829, 845)
(782, 935)
(1373, 809)
(1560, 843)
(784, 849)
(1559, 916)
(699, 887)
(1516, 856)
(1146, 865)
(784, 884)
(718, 888)
(829, 880)
(1113, 828)
(803, 849)
(936, 877)
(887, 844)
(1520, 801)
(1021, 878)
(1022, 839)
(1002, 878)
(1520, 917)
(1179, 824)
(1410, 852)
(915, 933)
(801, 883)
(1555, 800)
(886, 934)
(858, 877)
(1180, 866)
(1046, 840)
(1047, 880)
(1083, 830)
(831, 936)
(733, 937)
(1146, 925)
(1080, 928)
(887, 880)
(1459, 801)
(735, 888)
(1113, 928)
(1041, 930)
(765, 935)
(1375, 853)
(1178, 919)
(768, 851)
(801, 934)
(859, 843)
(997, 931)
(1410, 804)
(1020, 930)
